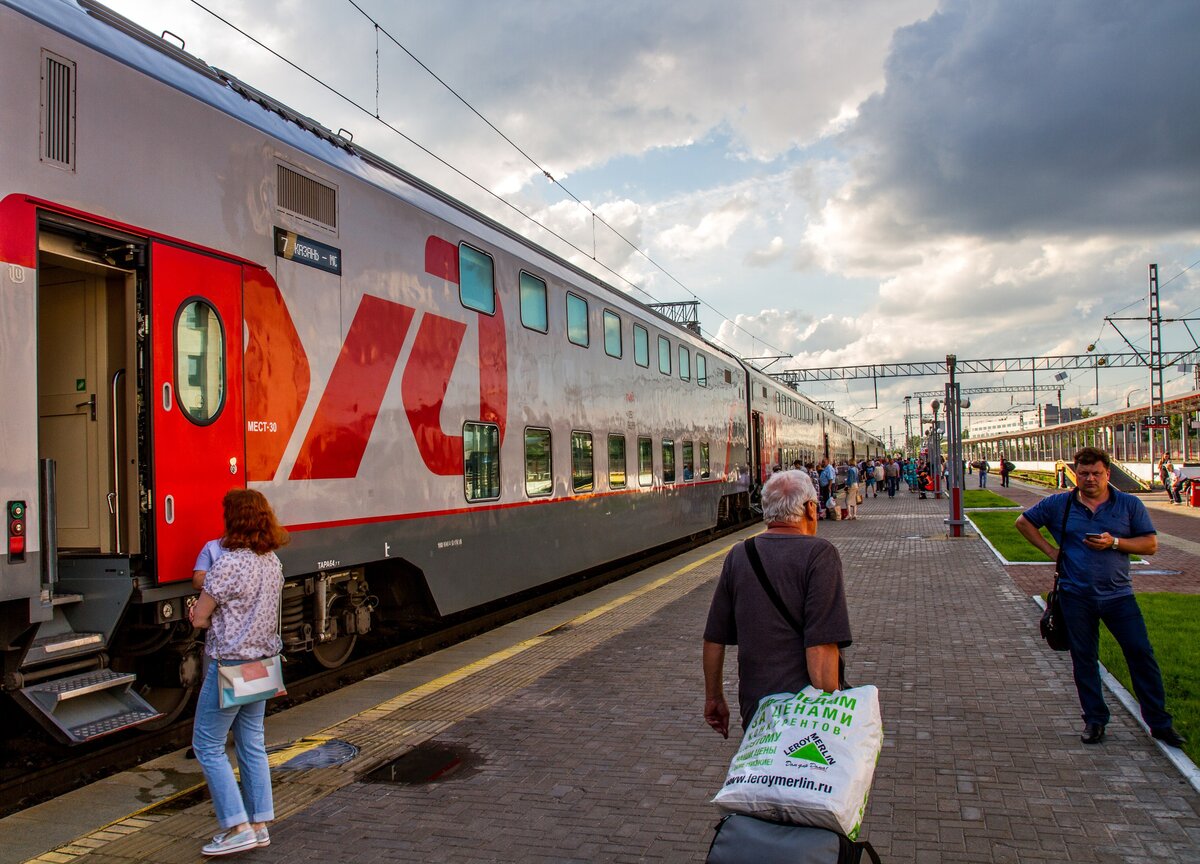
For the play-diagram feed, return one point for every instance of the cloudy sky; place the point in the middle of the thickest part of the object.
(846, 182)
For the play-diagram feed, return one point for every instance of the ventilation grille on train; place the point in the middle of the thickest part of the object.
(58, 111)
(306, 198)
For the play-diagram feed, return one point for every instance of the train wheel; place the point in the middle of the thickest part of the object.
(333, 654)
(171, 701)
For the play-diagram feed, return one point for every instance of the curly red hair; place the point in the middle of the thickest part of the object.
(250, 522)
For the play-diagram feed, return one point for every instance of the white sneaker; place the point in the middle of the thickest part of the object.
(228, 843)
(263, 836)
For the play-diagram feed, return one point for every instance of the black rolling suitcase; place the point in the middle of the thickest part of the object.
(746, 840)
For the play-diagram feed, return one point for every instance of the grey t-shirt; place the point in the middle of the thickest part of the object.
(807, 574)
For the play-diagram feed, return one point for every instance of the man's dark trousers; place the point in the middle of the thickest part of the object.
(1123, 618)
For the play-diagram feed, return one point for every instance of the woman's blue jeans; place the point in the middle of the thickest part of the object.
(253, 801)
(1123, 618)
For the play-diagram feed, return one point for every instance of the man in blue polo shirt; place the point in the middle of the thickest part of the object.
(1103, 527)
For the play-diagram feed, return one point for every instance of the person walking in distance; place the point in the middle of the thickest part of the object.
(1004, 470)
(851, 491)
(879, 476)
(239, 607)
(892, 473)
(1103, 527)
(806, 574)
(984, 467)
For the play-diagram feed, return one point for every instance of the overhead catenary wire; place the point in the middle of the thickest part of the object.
(596, 217)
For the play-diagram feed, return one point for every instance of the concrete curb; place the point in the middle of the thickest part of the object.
(1178, 758)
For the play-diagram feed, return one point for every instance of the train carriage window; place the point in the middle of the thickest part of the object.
(533, 303)
(641, 346)
(577, 320)
(701, 370)
(481, 461)
(728, 376)
(668, 453)
(612, 334)
(582, 477)
(199, 362)
(705, 470)
(616, 462)
(689, 465)
(685, 364)
(645, 461)
(539, 480)
(476, 280)
(664, 355)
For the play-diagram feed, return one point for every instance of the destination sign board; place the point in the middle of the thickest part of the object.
(1156, 421)
(303, 250)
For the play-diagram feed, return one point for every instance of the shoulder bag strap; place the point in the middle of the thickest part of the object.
(776, 600)
(1062, 538)
(865, 848)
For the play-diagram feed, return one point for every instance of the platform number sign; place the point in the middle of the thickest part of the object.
(1156, 421)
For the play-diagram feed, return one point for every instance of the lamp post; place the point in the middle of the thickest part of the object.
(935, 451)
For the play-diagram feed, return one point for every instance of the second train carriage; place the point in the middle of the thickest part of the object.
(201, 289)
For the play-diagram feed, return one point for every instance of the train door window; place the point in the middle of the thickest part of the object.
(705, 470)
(668, 451)
(616, 462)
(582, 476)
(199, 362)
(701, 370)
(685, 364)
(612, 334)
(533, 303)
(664, 355)
(539, 480)
(577, 320)
(641, 346)
(481, 461)
(689, 465)
(476, 280)
(645, 461)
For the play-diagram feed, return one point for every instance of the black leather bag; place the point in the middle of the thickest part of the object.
(1054, 626)
(745, 839)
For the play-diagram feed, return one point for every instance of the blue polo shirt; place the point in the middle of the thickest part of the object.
(1104, 574)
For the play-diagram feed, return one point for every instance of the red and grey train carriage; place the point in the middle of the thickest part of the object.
(201, 289)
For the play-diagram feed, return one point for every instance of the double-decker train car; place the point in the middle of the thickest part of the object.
(201, 289)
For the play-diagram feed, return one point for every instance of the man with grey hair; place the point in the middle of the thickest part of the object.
(805, 574)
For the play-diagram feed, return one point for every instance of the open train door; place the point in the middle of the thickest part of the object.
(198, 417)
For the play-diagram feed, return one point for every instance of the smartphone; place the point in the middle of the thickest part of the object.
(1093, 536)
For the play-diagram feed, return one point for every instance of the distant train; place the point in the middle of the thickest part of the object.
(201, 289)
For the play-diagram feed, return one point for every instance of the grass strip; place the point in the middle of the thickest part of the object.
(997, 526)
(1173, 622)
(985, 498)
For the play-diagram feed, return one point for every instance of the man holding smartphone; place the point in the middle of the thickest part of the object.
(1103, 527)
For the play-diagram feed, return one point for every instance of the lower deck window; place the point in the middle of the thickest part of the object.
(645, 461)
(481, 461)
(689, 465)
(705, 471)
(582, 478)
(538, 479)
(668, 453)
(616, 461)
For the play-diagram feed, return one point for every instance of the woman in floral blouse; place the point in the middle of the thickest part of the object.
(239, 607)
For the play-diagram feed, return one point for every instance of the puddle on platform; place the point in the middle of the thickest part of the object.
(426, 763)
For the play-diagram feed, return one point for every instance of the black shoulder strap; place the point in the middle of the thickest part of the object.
(776, 600)
(1062, 538)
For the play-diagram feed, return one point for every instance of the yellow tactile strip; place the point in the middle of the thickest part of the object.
(391, 728)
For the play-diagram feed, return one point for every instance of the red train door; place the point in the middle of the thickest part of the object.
(199, 449)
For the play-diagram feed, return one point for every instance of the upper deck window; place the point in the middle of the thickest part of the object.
(664, 355)
(476, 280)
(701, 370)
(685, 364)
(641, 346)
(533, 303)
(612, 334)
(577, 320)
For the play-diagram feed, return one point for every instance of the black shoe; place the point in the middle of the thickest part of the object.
(1093, 733)
(1169, 737)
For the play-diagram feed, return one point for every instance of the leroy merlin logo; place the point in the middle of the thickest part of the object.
(811, 749)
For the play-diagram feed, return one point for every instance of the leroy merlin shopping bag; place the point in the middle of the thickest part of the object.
(808, 758)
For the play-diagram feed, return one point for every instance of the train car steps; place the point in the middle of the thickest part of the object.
(83, 707)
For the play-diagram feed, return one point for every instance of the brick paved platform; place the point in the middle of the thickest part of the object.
(586, 743)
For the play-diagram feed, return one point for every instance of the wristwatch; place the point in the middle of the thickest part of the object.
(1116, 543)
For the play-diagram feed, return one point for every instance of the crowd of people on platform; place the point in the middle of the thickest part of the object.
(843, 485)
